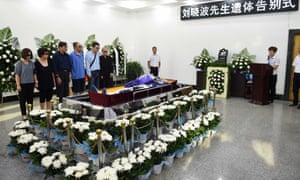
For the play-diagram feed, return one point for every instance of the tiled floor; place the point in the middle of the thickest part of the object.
(254, 142)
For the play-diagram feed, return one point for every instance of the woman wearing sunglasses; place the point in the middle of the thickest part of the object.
(26, 80)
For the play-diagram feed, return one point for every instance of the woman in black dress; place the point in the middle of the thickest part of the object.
(106, 71)
(45, 77)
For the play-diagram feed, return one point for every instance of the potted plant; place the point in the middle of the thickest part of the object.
(54, 164)
(144, 124)
(80, 171)
(133, 70)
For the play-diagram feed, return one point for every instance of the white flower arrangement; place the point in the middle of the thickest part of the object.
(179, 103)
(161, 112)
(16, 133)
(105, 136)
(81, 126)
(26, 138)
(21, 124)
(167, 138)
(206, 92)
(120, 122)
(167, 107)
(122, 164)
(89, 118)
(39, 147)
(156, 146)
(191, 125)
(216, 80)
(54, 113)
(142, 116)
(80, 170)
(203, 60)
(242, 60)
(63, 122)
(56, 161)
(178, 133)
(107, 173)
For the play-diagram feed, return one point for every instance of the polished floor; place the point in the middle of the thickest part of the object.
(253, 142)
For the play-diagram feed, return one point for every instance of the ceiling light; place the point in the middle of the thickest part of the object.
(133, 4)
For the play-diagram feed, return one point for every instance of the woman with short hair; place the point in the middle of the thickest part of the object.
(26, 80)
(45, 76)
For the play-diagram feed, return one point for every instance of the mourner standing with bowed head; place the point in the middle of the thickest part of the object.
(274, 62)
(45, 75)
(26, 80)
(78, 72)
(107, 70)
(92, 60)
(296, 80)
(154, 62)
(62, 68)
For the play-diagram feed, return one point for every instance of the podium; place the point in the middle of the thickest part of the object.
(261, 82)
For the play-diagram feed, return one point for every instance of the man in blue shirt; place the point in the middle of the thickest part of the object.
(62, 68)
(78, 73)
(92, 60)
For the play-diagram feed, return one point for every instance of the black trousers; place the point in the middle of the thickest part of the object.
(272, 87)
(62, 90)
(154, 71)
(26, 96)
(296, 87)
(106, 82)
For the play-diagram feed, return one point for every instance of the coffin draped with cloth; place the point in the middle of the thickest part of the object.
(144, 86)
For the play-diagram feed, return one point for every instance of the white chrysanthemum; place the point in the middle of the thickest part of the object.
(119, 122)
(21, 124)
(63, 159)
(56, 164)
(167, 137)
(181, 103)
(107, 173)
(69, 171)
(81, 126)
(63, 122)
(47, 161)
(26, 138)
(17, 133)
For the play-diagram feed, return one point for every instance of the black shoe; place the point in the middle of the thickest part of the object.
(292, 105)
(298, 107)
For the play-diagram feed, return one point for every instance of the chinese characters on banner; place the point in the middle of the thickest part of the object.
(236, 7)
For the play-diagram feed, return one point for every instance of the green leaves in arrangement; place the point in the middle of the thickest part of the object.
(88, 43)
(242, 60)
(203, 60)
(50, 42)
(9, 55)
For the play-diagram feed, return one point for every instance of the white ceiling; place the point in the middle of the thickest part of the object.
(144, 4)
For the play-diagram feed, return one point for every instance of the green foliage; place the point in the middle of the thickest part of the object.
(9, 55)
(133, 70)
(48, 41)
(242, 60)
(203, 60)
(88, 43)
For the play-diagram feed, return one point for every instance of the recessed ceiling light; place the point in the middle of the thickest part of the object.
(133, 4)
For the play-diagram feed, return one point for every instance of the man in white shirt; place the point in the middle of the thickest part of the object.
(296, 79)
(274, 62)
(154, 62)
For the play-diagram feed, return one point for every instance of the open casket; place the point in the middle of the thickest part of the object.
(121, 94)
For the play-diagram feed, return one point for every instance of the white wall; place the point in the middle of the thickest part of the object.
(179, 41)
(68, 20)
